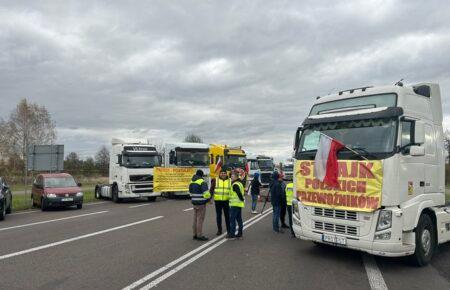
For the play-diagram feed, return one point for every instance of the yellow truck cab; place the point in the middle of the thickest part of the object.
(232, 157)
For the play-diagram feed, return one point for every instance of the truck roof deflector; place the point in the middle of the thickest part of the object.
(389, 112)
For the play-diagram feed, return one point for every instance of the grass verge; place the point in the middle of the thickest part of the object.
(23, 202)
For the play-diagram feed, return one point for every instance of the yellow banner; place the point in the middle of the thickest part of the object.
(359, 187)
(172, 179)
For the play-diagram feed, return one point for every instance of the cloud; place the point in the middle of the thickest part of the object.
(235, 72)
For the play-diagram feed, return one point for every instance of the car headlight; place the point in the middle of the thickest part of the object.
(384, 220)
(79, 193)
(51, 195)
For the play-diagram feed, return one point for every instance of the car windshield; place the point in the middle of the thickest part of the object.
(141, 160)
(234, 161)
(366, 102)
(265, 164)
(192, 158)
(58, 182)
(367, 137)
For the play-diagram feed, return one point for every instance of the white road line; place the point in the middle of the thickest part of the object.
(75, 239)
(185, 256)
(188, 209)
(374, 275)
(139, 205)
(155, 282)
(51, 221)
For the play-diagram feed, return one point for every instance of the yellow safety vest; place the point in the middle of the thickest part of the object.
(289, 193)
(199, 196)
(222, 189)
(234, 198)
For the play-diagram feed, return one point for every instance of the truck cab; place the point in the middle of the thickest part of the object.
(187, 155)
(131, 164)
(253, 166)
(391, 195)
(266, 167)
(229, 157)
(288, 170)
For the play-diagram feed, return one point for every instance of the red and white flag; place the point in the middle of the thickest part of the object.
(326, 164)
(218, 165)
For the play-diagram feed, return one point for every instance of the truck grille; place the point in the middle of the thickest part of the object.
(335, 228)
(141, 178)
(266, 177)
(336, 213)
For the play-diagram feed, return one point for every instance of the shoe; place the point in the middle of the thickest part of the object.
(239, 237)
(194, 237)
(285, 226)
(202, 238)
(218, 233)
(230, 237)
(254, 212)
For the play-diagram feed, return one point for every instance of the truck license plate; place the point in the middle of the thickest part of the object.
(67, 199)
(334, 239)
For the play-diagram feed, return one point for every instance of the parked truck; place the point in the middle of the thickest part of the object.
(131, 163)
(390, 200)
(187, 155)
(288, 170)
(229, 157)
(266, 168)
(252, 165)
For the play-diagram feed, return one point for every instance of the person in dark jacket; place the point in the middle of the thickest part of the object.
(255, 191)
(276, 194)
(199, 197)
(237, 202)
(283, 203)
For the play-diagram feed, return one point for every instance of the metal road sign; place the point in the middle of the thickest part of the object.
(45, 158)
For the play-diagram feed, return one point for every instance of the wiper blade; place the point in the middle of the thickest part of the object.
(362, 149)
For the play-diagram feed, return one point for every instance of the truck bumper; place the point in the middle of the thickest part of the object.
(138, 195)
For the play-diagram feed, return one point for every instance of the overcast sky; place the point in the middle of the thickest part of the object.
(234, 72)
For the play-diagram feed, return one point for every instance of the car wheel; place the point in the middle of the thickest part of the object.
(44, 206)
(79, 206)
(97, 192)
(425, 241)
(115, 194)
(3, 212)
(151, 198)
(9, 209)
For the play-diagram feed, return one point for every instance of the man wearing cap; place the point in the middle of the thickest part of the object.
(220, 188)
(199, 197)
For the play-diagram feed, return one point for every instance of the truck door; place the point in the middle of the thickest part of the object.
(411, 170)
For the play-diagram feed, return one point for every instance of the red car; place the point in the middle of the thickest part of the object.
(56, 189)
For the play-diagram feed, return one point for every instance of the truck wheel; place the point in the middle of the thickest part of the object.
(97, 192)
(151, 198)
(115, 194)
(44, 206)
(3, 212)
(425, 241)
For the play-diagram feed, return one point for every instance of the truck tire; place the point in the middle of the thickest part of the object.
(425, 241)
(151, 198)
(97, 192)
(115, 194)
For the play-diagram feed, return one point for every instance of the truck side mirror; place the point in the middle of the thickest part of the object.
(297, 137)
(419, 132)
(417, 150)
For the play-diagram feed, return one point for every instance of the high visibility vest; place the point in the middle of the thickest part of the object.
(234, 198)
(197, 196)
(222, 190)
(289, 193)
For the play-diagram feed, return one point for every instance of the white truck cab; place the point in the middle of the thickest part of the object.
(253, 166)
(400, 127)
(266, 168)
(131, 164)
(194, 155)
(288, 170)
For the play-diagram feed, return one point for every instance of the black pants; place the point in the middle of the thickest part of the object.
(222, 205)
(289, 211)
(283, 212)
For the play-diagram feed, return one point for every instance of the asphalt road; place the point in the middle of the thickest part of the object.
(140, 244)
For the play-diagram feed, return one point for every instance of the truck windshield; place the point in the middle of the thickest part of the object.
(58, 182)
(288, 167)
(234, 161)
(141, 160)
(192, 158)
(265, 164)
(253, 165)
(367, 137)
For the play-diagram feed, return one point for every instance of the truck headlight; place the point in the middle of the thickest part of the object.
(51, 195)
(79, 193)
(384, 220)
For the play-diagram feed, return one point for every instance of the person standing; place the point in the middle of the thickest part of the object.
(283, 202)
(199, 197)
(276, 193)
(289, 197)
(237, 202)
(221, 188)
(255, 186)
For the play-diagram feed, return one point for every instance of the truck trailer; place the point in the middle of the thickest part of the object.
(131, 163)
(390, 197)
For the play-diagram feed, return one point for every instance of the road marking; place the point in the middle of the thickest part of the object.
(24, 212)
(188, 209)
(4, 257)
(185, 256)
(95, 203)
(155, 282)
(51, 221)
(374, 275)
(139, 205)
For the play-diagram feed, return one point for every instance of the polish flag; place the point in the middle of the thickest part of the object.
(326, 164)
(218, 165)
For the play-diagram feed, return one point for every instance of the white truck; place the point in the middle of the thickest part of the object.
(288, 170)
(400, 127)
(253, 166)
(131, 163)
(186, 155)
(266, 168)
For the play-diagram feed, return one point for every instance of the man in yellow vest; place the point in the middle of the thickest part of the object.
(221, 188)
(237, 202)
(199, 197)
(289, 197)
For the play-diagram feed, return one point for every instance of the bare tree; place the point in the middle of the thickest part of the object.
(193, 138)
(102, 159)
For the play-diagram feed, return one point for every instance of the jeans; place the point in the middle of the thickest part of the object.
(199, 218)
(236, 216)
(283, 211)
(222, 205)
(276, 218)
(289, 211)
(254, 201)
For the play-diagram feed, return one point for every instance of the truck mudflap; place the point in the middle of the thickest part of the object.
(442, 223)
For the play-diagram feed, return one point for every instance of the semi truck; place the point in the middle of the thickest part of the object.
(229, 157)
(288, 170)
(186, 155)
(266, 168)
(252, 164)
(390, 198)
(131, 163)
